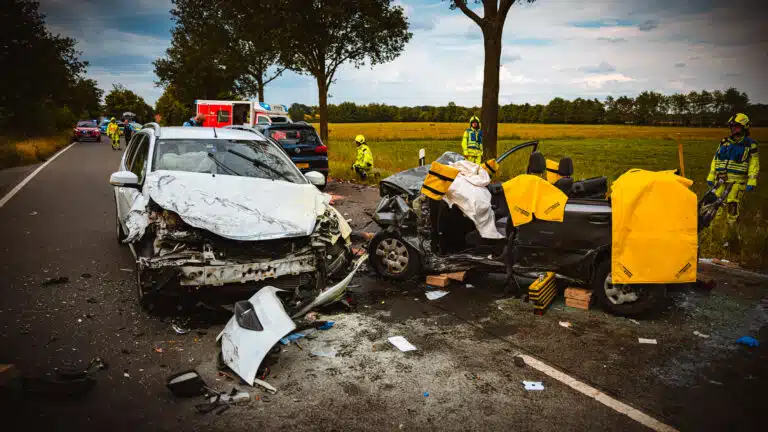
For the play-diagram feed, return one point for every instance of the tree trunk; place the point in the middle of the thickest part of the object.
(260, 86)
(322, 90)
(490, 111)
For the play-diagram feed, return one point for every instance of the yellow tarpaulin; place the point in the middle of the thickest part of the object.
(553, 174)
(529, 195)
(654, 228)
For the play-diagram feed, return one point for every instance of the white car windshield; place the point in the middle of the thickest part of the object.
(249, 158)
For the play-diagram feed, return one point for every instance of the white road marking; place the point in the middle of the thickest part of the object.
(26, 180)
(599, 396)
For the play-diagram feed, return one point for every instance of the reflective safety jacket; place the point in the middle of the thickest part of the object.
(364, 158)
(113, 130)
(736, 158)
(472, 142)
(438, 180)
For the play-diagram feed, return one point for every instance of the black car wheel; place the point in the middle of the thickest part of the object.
(625, 300)
(393, 257)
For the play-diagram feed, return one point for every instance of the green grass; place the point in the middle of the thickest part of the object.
(591, 158)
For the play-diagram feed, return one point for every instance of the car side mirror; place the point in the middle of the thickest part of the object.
(315, 178)
(124, 179)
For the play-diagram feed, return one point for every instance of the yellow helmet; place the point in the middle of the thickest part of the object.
(360, 139)
(112, 119)
(739, 119)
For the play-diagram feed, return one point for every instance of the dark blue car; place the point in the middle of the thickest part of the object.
(301, 142)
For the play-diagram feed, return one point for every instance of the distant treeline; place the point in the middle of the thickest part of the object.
(701, 109)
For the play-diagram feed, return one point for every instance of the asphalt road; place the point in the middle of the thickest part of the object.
(62, 224)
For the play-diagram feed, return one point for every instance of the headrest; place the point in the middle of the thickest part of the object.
(566, 167)
(537, 164)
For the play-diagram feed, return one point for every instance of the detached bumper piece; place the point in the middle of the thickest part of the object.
(541, 292)
(217, 275)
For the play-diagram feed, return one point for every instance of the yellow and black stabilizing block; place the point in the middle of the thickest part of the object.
(438, 180)
(541, 292)
(490, 166)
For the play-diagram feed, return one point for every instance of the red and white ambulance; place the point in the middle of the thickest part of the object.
(220, 113)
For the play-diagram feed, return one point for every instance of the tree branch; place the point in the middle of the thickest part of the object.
(462, 4)
(504, 9)
(280, 70)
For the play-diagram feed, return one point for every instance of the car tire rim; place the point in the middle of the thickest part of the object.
(393, 255)
(621, 293)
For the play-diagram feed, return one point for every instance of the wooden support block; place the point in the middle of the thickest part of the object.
(580, 304)
(458, 276)
(578, 294)
(438, 281)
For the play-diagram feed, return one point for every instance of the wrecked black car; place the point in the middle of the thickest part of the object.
(421, 235)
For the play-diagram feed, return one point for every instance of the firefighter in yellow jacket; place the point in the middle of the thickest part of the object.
(113, 132)
(736, 162)
(472, 143)
(364, 163)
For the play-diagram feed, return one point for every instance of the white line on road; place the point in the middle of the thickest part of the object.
(599, 396)
(26, 180)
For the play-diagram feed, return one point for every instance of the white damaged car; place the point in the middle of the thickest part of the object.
(223, 213)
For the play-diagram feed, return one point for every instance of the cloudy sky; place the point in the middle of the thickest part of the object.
(566, 48)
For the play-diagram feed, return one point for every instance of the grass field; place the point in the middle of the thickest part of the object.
(28, 151)
(611, 152)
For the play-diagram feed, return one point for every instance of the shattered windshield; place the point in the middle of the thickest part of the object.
(249, 158)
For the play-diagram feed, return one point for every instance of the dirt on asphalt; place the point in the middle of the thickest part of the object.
(461, 377)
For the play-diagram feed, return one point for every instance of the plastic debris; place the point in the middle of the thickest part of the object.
(324, 351)
(533, 385)
(748, 341)
(327, 325)
(647, 341)
(426, 394)
(312, 316)
(267, 386)
(179, 330)
(186, 384)
(436, 294)
(401, 343)
(55, 281)
(291, 337)
(127, 270)
(634, 321)
(701, 335)
(469, 285)
(125, 374)
(233, 397)
(33, 213)
(565, 324)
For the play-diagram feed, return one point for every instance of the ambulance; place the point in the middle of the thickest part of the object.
(220, 113)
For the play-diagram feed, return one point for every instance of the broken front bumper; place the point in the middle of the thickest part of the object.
(218, 275)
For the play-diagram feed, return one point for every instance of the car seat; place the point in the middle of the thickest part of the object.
(565, 170)
(591, 188)
(537, 164)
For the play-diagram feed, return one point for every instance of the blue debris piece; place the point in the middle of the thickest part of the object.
(426, 394)
(291, 337)
(748, 341)
(327, 325)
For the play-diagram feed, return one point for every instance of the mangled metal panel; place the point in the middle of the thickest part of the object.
(217, 275)
(233, 207)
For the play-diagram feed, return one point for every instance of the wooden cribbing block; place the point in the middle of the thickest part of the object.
(457, 276)
(580, 304)
(578, 294)
(438, 281)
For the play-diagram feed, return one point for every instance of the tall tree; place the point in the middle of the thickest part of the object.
(680, 108)
(120, 100)
(492, 25)
(322, 36)
(173, 112)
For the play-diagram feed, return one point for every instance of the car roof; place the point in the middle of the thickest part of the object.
(290, 126)
(196, 132)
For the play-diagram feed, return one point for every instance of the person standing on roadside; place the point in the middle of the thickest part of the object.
(735, 162)
(113, 132)
(472, 142)
(197, 120)
(127, 132)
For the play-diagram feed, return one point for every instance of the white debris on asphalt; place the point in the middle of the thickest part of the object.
(125, 374)
(635, 321)
(401, 343)
(533, 385)
(33, 213)
(436, 294)
(565, 324)
(701, 335)
(324, 351)
(127, 270)
(647, 341)
(469, 286)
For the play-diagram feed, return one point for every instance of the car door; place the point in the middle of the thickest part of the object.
(136, 162)
(566, 247)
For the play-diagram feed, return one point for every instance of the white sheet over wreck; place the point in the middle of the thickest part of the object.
(234, 207)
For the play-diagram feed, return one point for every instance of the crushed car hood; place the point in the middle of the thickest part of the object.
(238, 207)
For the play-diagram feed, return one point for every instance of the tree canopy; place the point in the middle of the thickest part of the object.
(43, 88)
(120, 100)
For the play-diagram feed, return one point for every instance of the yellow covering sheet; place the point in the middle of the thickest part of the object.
(553, 174)
(654, 228)
(529, 195)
